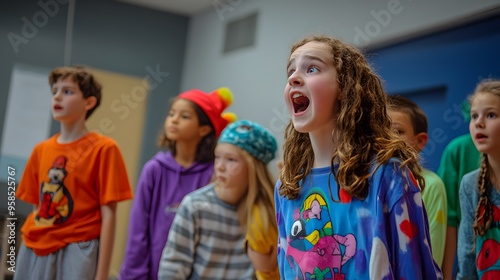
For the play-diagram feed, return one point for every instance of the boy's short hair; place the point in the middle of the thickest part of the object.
(85, 80)
(404, 104)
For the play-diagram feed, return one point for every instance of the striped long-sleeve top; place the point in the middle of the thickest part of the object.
(205, 241)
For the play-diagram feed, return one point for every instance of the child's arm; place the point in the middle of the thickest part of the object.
(434, 197)
(410, 253)
(448, 171)
(261, 247)
(108, 214)
(265, 263)
(137, 259)
(466, 256)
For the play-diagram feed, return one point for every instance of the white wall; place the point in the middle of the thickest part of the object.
(256, 75)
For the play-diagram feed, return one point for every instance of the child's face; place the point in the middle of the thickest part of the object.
(182, 122)
(401, 124)
(231, 168)
(484, 125)
(68, 104)
(312, 91)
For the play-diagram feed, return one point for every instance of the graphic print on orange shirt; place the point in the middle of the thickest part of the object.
(56, 203)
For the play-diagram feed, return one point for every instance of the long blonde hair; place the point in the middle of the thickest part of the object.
(260, 194)
(484, 211)
(363, 129)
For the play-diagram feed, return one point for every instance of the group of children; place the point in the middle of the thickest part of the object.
(352, 200)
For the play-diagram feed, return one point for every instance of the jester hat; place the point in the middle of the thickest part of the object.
(213, 104)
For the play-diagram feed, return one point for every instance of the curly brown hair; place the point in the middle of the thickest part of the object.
(206, 146)
(483, 216)
(85, 80)
(363, 129)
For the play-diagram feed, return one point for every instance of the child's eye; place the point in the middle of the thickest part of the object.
(171, 113)
(473, 116)
(312, 69)
(491, 115)
(186, 117)
(67, 91)
(290, 72)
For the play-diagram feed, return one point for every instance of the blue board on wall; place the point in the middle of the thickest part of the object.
(438, 72)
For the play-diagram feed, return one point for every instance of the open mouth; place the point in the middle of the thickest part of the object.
(57, 107)
(480, 136)
(300, 102)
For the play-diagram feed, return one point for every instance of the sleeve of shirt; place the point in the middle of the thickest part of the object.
(137, 256)
(113, 182)
(448, 171)
(28, 189)
(435, 205)
(177, 259)
(466, 256)
(411, 256)
(281, 231)
(261, 240)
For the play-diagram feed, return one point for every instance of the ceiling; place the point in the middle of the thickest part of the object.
(181, 7)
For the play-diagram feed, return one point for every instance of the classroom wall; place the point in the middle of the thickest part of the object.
(257, 74)
(108, 36)
(439, 72)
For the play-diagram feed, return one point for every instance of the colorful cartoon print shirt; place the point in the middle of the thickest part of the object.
(326, 234)
(483, 260)
(69, 183)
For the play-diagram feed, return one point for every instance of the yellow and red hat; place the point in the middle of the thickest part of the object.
(213, 104)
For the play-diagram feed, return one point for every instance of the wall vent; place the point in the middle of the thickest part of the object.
(240, 33)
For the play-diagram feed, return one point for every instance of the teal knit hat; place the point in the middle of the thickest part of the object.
(251, 137)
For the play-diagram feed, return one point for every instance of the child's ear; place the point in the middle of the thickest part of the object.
(422, 139)
(90, 102)
(205, 130)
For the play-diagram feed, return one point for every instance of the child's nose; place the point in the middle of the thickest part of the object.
(479, 122)
(295, 79)
(219, 165)
(57, 95)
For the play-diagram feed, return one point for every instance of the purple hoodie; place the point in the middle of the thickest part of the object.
(162, 185)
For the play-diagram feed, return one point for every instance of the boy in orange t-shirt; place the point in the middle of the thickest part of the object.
(74, 180)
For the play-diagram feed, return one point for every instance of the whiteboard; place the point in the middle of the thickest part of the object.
(27, 117)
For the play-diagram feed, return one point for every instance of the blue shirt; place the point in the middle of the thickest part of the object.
(326, 234)
(484, 261)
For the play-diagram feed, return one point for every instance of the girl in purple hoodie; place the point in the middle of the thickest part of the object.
(192, 126)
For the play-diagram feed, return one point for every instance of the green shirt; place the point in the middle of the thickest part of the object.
(434, 197)
(459, 158)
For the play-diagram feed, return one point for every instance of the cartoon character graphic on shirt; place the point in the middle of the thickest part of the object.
(56, 204)
(488, 246)
(315, 251)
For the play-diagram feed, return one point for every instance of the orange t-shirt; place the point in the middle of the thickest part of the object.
(70, 183)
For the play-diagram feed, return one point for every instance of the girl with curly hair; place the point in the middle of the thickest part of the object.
(348, 205)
